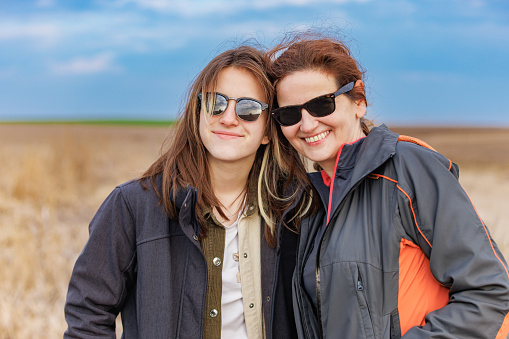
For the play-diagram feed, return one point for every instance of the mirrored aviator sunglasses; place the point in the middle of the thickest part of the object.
(247, 109)
(318, 107)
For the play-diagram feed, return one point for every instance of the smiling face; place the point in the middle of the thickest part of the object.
(319, 139)
(226, 137)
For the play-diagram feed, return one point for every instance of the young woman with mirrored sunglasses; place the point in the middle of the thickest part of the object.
(191, 249)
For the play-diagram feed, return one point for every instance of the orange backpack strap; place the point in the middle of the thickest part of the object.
(415, 141)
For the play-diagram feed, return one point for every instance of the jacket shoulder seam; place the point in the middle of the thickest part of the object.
(415, 141)
(414, 216)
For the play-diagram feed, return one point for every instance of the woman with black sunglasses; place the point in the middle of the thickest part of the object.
(397, 248)
(179, 251)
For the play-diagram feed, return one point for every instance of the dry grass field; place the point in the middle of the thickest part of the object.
(54, 177)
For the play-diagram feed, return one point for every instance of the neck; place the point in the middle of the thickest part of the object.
(330, 166)
(229, 180)
(228, 177)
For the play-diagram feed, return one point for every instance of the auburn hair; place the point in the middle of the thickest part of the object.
(280, 180)
(313, 51)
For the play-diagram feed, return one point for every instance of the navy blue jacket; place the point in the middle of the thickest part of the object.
(151, 269)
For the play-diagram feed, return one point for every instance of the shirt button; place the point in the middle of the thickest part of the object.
(216, 261)
(213, 313)
(251, 305)
(245, 255)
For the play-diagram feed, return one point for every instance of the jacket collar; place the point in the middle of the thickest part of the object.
(357, 160)
(380, 145)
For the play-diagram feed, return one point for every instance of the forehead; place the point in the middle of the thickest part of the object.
(302, 86)
(239, 82)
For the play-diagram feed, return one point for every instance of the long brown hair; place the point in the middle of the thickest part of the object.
(184, 161)
(312, 51)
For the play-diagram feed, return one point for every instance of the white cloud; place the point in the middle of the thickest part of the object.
(492, 33)
(34, 30)
(478, 3)
(125, 29)
(86, 65)
(89, 32)
(203, 7)
(45, 3)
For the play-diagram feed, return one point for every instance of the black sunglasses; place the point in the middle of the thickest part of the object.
(318, 107)
(247, 109)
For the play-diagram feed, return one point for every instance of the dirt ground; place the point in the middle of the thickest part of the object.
(54, 177)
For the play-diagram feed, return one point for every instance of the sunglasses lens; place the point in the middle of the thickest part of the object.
(220, 104)
(321, 106)
(248, 110)
(317, 107)
(287, 116)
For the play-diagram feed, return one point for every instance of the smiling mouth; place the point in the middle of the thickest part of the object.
(227, 134)
(317, 137)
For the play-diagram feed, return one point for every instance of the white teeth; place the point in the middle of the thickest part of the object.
(317, 137)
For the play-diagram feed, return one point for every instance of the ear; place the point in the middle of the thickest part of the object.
(360, 110)
(267, 133)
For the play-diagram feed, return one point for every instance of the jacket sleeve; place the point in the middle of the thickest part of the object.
(97, 287)
(439, 215)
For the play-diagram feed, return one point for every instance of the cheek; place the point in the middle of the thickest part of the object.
(203, 125)
(289, 132)
(205, 120)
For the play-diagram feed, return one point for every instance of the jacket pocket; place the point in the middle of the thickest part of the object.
(367, 321)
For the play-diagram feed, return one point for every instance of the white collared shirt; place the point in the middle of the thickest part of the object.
(241, 305)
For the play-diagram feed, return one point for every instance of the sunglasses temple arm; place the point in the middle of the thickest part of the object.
(346, 88)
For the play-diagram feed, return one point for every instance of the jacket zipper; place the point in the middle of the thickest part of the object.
(317, 267)
(306, 321)
(329, 221)
(360, 288)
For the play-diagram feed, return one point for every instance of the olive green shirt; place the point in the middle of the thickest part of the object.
(249, 267)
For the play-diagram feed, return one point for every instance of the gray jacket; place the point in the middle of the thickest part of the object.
(151, 270)
(385, 194)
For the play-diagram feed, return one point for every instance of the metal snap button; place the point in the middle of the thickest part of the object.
(213, 313)
(251, 305)
(245, 255)
(216, 261)
(195, 237)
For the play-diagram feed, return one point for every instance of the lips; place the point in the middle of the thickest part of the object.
(227, 135)
(317, 137)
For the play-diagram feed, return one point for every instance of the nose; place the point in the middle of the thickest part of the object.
(308, 122)
(229, 117)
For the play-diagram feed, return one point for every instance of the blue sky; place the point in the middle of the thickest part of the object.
(427, 61)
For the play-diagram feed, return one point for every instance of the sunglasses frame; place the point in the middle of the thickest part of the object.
(263, 106)
(276, 113)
